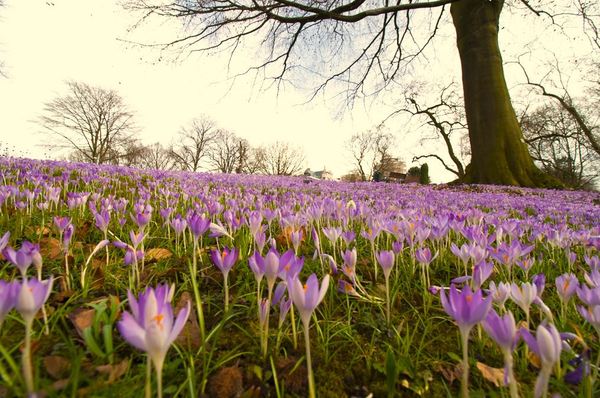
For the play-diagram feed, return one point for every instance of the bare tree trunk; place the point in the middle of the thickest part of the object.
(499, 154)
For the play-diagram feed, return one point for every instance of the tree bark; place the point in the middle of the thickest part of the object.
(498, 151)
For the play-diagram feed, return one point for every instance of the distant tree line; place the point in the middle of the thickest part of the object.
(96, 126)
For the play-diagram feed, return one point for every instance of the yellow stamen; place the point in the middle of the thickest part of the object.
(159, 319)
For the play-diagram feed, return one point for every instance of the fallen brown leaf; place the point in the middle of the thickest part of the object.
(50, 248)
(157, 254)
(534, 359)
(450, 372)
(60, 384)
(57, 367)
(43, 231)
(493, 375)
(226, 383)
(115, 371)
(82, 318)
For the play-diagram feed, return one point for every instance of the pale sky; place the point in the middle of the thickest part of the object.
(45, 43)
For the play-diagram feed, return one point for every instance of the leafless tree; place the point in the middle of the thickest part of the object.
(557, 142)
(370, 150)
(583, 112)
(92, 121)
(280, 158)
(255, 163)
(194, 144)
(446, 118)
(223, 155)
(157, 157)
(365, 47)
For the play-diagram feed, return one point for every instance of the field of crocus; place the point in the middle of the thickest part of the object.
(151, 283)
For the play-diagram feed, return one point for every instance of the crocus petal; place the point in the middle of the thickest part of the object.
(179, 323)
(132, 332)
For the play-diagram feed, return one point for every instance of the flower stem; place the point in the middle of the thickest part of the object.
(26, 358)
(464, 385)
(148, 387)
(197, 297)
(512, 383)
(311, 379)
(294, 332)
(387, 301)
(226, 292)
(158, 367)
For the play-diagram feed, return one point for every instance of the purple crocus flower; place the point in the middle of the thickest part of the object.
(150, 326)
(308, 296)
(398, 246)
(481, 272)
(592, 261)
(566, 286)
(198, 224)
(132, 256)
(466, 307)
(61, 223)
(348, 236)
(257, 265)
(225, 259)
(142, 216)
(349, 257)
(423, 256)
(332, 233)
(547, 345)
(296, 237)
(592, 278)
(179, 224)
(289, 265)
(4, 240)
(524, 295)
(67, 236)
(503, 331)
(255, 222)
(591, 315)
(8, 297)
(590, 296)
(347, 288)
(136, 238)
(462, 253)
(31, 296)
(386, 259)
(271, 267)
(21, 258)
(102, 220)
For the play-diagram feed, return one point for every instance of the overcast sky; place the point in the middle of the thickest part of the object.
(44, 43)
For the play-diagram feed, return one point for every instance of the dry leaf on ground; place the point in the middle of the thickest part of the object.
(494, 375)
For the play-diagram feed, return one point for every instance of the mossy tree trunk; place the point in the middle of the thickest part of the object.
(499, 154)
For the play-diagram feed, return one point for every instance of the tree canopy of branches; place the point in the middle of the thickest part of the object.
(194, 144)
(95, 123)
(563, 133)
(224, 153)
(157, 157)
(447, 120)
(282, 159)
(371, 152)
(558, 143)
(374, 42)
